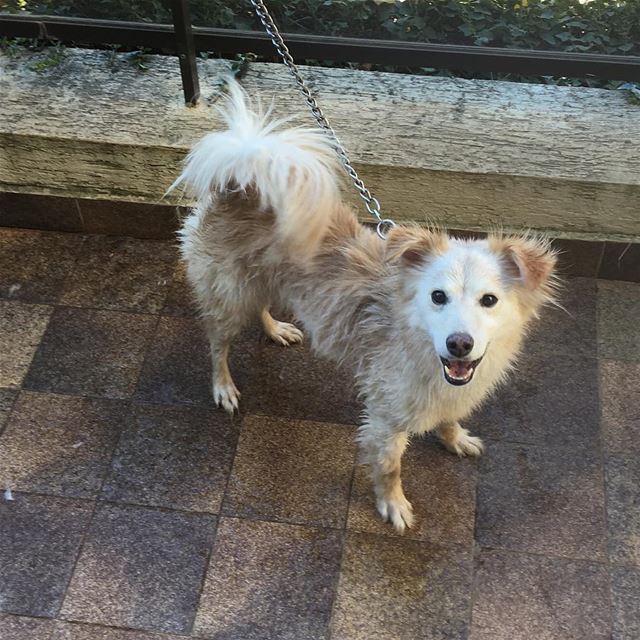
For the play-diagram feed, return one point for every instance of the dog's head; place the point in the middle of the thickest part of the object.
(471, 298)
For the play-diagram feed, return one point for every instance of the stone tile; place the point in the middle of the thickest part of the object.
(578, 258)
(135, 219)
(268, 580)
(34, 264)
(623, 508)
(548, 400)
(60, 445)
(140, 568)
(91, 352)
(24, 628)
(520, 597)
(175, 457)
(179, 301)
(7, 398)
(567, 331)
(294, 383)
(178, 366)
(21, 328)
(620, 405)
(618, 318)
(541, 500)
(625, 585)
(39, 212)
(292, 471)
(80, 631)
(401, 590)
(440, 486)
(122, 274)
(621, 261)
(40, 541)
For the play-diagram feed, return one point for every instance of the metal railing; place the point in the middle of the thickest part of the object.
(186, 41)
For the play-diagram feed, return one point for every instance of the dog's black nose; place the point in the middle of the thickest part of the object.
(459, 344)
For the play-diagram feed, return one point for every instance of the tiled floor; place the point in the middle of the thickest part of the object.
(140, 512)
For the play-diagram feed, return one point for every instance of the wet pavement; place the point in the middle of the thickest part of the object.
(141, 512)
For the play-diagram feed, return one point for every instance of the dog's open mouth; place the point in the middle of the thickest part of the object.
(459, 372)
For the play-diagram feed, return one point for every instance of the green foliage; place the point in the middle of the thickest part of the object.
(12, 47)
(632, 92)
(598, 26)
(139, 59)
(53, 56)
(51, 53)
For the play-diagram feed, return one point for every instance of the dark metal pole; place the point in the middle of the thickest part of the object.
(186, 48)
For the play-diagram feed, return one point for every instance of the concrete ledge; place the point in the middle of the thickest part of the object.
(465, 154)
(578, 258)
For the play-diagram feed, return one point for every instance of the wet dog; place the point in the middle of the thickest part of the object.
(427, 323)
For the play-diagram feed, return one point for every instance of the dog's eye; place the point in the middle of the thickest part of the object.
(439, 297)
(488, 300)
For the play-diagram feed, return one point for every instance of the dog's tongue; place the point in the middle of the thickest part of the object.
(459, 368)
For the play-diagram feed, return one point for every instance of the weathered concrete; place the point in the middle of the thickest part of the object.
(466, 154)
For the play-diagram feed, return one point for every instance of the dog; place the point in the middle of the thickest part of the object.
(428, 324)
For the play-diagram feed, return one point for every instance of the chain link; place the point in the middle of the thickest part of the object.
(371, 203)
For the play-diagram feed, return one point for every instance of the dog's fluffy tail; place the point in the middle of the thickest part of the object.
(293, 171)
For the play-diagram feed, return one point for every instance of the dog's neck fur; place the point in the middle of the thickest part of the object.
(353, 304)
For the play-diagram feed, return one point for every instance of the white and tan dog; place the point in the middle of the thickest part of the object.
(428, 324)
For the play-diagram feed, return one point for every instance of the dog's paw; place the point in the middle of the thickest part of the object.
(226, 395)
(398, 511)
(284, 333)
(465, 444)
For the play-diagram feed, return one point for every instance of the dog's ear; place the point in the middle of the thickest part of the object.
(529, 261)
(412, 246)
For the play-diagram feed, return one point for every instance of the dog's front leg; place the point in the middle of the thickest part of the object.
(383, 453)
(459, 440)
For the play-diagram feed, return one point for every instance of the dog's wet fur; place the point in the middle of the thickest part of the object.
(428, 324)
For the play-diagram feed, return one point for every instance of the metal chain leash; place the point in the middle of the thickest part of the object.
(371, 203)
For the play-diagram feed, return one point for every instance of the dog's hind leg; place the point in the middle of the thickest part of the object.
(459, 440)
(283, 333)
(225, 392)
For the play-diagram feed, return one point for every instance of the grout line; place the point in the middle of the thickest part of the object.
(79, 210)
(219, 517)
(109, 467)
(234, 455)
(28, 616)
(603, 456)
(171, 282)
(569, 446)
(122, 503)
(345, 532)
(156, 507)
(538, 554)
(14, 402)
(475, 546)
(147, 351)
(129, 398)
(96, 502)
(71, 268)
(53, 496)
(203, 577)
(43, 335)
(626, 565)
(129, 312)
(83, 539)
(603, 245)
(154, 633)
